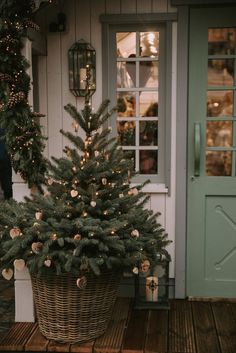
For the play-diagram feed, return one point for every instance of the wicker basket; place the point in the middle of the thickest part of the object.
(66, 313)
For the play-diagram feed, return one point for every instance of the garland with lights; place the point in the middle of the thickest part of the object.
(23, 137)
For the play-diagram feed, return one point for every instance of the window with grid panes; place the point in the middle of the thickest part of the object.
(139, 80)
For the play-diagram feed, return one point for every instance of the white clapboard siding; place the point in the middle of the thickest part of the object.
(66, 42)
(82, 22)
(54, 79)
(159, 6)
(128, 6)
(144, 6)
(43, 93)
(171, 8)
(112, 7)
(96, 40)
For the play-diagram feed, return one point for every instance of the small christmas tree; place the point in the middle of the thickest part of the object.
(90, 218)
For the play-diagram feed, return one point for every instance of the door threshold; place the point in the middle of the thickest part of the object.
(212, 299)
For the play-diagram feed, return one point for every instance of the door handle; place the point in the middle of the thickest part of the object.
(197, 148)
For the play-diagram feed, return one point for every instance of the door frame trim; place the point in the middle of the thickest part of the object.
(181, 152)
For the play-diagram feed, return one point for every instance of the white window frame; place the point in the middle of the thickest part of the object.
(142, 23)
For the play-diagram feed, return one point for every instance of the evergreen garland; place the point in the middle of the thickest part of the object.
(23, 136)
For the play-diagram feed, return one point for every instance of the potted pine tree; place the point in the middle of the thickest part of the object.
(78, 237)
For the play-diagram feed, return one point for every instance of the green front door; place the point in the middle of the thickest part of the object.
(211, 204)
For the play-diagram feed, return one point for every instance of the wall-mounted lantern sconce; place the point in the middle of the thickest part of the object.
(82, 69)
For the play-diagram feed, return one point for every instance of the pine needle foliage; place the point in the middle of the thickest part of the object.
(90, 217)
(23, 137)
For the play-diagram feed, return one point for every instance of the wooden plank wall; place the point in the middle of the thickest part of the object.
(82, 21)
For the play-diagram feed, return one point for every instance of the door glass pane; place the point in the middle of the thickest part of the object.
(219, 103)
(220, 72)
(221, 41)
(218, 163)
(219, 133)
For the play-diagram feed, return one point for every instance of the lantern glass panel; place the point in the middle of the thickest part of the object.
(152, 287)
(82, 69)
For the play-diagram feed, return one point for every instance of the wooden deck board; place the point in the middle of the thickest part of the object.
(16, 338)
(54, 346)
(37, 342)
(157, 328)
(181, 334)
(134, 339)
(205, 330)
(86, 347)
(112, 340)
(226, 326)
(188, 327)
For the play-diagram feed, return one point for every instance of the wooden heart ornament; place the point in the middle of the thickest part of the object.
(19, 264)
(74, 193)
(47, 263)
(15, 232)
(7, 273)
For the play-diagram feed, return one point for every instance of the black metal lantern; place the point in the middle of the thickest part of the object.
(152, 285)
(82, 69)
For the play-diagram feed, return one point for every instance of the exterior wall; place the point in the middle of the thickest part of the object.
(82, 21)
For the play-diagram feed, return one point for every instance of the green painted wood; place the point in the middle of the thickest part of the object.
(211, 200)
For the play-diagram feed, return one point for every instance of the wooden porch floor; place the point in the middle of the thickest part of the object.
(188, 327)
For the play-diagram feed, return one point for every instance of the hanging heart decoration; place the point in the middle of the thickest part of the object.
(19, 264)
(47, 263)
(7, 273)
(74, 193)
(15, 232)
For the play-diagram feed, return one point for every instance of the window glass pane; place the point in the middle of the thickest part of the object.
(130, 154)
(149, 44)
(124, 78)
(148, 162)
(131, 71)
(219, 133)
(138, 73)
(126, 133)
(148, 74)
(218, 163)
(125, 44)
(219, 103)
(220, 72)
(148, 103)
(221, 41)
(148, 133)
(126, 102)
